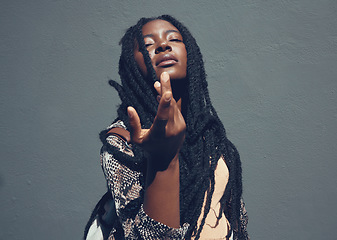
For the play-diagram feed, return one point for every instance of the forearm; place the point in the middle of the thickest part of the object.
(161, 200)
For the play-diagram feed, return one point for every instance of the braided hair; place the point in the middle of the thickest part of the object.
(205, 141)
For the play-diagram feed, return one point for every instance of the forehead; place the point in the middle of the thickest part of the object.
(157, 26)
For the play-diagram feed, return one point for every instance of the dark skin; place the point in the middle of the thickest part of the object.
(162, 142)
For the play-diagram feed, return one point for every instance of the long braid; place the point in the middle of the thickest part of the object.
(205, 140)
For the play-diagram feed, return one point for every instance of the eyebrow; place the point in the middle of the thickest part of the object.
(168, 31)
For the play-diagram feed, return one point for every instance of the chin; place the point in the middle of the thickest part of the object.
(174, 74)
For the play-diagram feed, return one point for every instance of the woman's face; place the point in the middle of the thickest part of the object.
(166, 49)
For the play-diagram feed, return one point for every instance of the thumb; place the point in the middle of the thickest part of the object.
(135, 124)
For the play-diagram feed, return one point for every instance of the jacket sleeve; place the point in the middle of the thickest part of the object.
(125, 186)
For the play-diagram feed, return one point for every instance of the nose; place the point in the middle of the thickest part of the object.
(163, 47)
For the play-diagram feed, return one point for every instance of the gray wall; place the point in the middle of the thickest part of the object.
(272, 70)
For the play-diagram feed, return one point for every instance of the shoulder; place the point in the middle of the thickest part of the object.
(117, 124)
(116, 135)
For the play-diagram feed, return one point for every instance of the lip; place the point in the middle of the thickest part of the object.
(166, 60)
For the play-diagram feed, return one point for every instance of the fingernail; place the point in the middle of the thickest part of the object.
(129, 113)
(165, 76)
(167, 97)
(157, 84)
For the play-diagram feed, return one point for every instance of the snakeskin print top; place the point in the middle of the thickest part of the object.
(125, 186)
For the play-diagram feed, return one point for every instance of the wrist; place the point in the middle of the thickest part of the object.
(162, 163)
(162, 172)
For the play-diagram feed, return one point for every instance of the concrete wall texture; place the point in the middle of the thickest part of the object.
(272, 72)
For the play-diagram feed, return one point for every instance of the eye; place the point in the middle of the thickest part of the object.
(175, 40)
(148, 44)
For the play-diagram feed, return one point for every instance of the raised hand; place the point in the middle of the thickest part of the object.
(163, 140)
(162, 143)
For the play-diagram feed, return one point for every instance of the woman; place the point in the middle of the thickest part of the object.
(181, 177)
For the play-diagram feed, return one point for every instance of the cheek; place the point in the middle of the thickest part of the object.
(183, 58)
(140, 62)
(184, 55)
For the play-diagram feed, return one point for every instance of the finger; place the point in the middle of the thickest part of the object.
(157, 87)
(163, 114)
(135, 124)
(164, 106)
(165, 83)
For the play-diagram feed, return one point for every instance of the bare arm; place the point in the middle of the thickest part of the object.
(162, 143)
